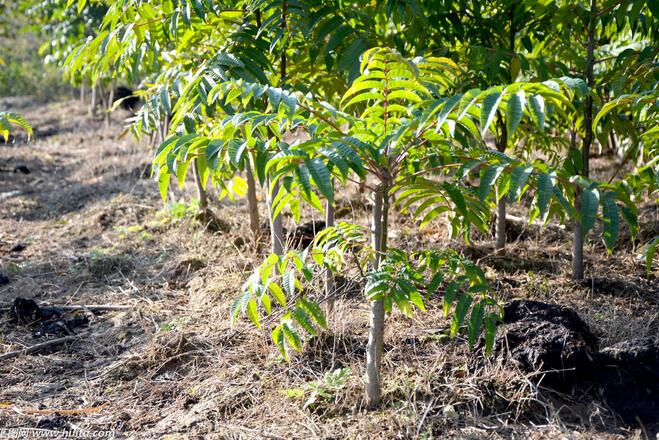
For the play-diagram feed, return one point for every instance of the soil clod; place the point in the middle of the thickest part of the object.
(129, 101)
(556, 344)
(18, 247)
(51, 320)
(627, 375)
(550, 339)
(22, 169)
(303, 235)
(24, 311)
(57, 422)
(63, 327)
(212, 222)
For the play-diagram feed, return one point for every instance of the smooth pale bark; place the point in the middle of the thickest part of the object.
(252, 202)
(376, 327)
(201, 191)
(577, 245)
(330, 285)
(578, 238)
(276, 224)
(108, 107)
(92, 103)
(500, 229)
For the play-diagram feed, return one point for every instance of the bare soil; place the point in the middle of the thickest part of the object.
(93, 230)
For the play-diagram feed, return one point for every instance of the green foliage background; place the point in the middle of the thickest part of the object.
(22, 68)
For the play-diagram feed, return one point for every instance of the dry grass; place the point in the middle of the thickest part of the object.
(175, 367)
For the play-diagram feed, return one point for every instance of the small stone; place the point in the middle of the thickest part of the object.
(22, 169)
(18, 247)
(4, 279)
(450, 413)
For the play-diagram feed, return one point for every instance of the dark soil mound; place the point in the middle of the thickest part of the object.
(627, 375)
(546, 338)
(129, 102)
(50, 321)
(24, 311)
(555, 341)
(303, 235)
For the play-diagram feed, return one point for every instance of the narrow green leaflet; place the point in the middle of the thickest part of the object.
(460, 313)
(489, 176)
(278, 339)
(515, 111)
(321, 177)
(611, 220)
(314, 310)
(292, 336)
(490, 331)
(518, 179)
(537, 103)
(649, 253)
(475, 323)
(488, 110)
(545, 192)
(589, 206)
(302, 318)
(253, 313)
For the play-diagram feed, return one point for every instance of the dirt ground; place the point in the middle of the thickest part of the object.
(169, 363)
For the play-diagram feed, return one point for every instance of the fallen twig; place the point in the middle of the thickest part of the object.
(39, 347)
(93, 410)
(90, 307)
(515, 219)
(94, 307)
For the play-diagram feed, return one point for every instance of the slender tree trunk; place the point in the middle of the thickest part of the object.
(330, 285)
(201, 191)
(578, 239)
(83, 92)
(108, 118)
(164, 128)
(252, 202)
(362, 185)
(160, 133)
(502, 144)
(276, 224)
(376, 329)
(500, 229)
(92, 102)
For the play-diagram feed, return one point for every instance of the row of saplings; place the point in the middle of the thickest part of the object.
(550, 341)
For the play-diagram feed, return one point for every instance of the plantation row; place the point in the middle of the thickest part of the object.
(436, 108)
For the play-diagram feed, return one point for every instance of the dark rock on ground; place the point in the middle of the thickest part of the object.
(548, 338)
(4, 279)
